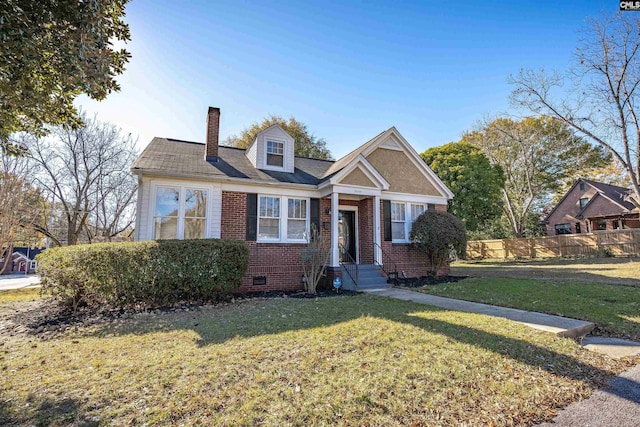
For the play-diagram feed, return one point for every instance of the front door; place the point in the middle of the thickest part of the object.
(347, 235)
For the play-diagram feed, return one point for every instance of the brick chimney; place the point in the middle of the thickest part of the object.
(213, 130)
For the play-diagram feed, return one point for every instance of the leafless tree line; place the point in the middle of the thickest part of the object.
(86, 190)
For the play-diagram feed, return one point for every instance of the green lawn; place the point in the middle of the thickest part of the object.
(622, 271)
(614, 309)
(360, 360)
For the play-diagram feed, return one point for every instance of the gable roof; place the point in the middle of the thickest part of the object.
(173, 157)
(184, 159)
(612, 192)
(379, 141)
(285, 134)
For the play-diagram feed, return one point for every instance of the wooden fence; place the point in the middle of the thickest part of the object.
(615, 242)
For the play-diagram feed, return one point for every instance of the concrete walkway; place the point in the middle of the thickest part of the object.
(19, 281)
(560, 326)
(616, 405)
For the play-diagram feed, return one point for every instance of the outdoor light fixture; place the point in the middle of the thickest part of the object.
(327, 211)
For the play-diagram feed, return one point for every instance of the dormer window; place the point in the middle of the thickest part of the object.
(272, 150)
(275, 153)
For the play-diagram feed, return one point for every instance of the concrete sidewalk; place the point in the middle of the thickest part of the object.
(19, 281)
(560, 326)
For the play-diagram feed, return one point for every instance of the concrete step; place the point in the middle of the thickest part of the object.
(369, 277)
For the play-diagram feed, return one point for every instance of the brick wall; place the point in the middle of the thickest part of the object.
(414, 263)
(565, 212)
(279, 262)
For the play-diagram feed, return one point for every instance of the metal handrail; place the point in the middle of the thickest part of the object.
(388, 265)
(351, 267)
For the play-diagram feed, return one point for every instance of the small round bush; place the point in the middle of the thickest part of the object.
(439, 235)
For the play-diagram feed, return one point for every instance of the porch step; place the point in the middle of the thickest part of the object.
(369, 277)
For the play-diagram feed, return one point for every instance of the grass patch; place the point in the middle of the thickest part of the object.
(360, 360)
(614, 309)
(622, 271)
(19, 295)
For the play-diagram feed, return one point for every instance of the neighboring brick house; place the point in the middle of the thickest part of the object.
(591, 206)
(22, 260)
(363, 203)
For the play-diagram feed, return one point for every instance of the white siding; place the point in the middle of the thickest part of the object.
(252, 154)
(142, 215)
(275, 133)
(215, 212)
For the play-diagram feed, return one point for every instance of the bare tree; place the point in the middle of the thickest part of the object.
(314, 258)
(536, 155)
(20, 204)
(86, 173)
(601, 97)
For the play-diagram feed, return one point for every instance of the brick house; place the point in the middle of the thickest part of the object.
(363, 204)
(591, 206)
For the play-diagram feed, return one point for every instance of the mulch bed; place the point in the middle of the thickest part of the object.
(416, 282)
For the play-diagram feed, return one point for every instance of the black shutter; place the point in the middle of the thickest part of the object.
(314, 207)
(431, 207)
(252, 217)
(386, 218)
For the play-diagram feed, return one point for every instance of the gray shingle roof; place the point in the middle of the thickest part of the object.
(615, 193)
(184, 158)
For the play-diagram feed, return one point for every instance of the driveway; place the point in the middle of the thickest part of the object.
(18, 281)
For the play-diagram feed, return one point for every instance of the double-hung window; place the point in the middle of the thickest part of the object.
(275, 153)
(297, 219)
(167, 213)
(282, 219)
(398, 221)
(195, 213)
(416, 211)
(403, 216)
(180, 213)
(269, 218)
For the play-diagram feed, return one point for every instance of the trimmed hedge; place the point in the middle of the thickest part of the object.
(152, 273)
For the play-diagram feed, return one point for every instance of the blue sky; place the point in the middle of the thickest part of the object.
(349, 70)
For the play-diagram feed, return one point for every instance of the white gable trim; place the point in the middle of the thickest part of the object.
(367, 168)
(20, 255)
(415, 158)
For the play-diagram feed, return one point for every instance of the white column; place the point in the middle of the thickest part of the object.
(335, 253)
(377, 254)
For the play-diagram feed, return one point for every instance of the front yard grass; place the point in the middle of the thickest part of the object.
(17, 295)
(620, 271)
(614, 309)
(361, 360)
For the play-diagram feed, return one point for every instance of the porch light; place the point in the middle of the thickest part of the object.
(327, 211)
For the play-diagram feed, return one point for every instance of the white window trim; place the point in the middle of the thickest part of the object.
(284, 219)
(258, 217)
(265, 153)
(182, 189)
(408, 219)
